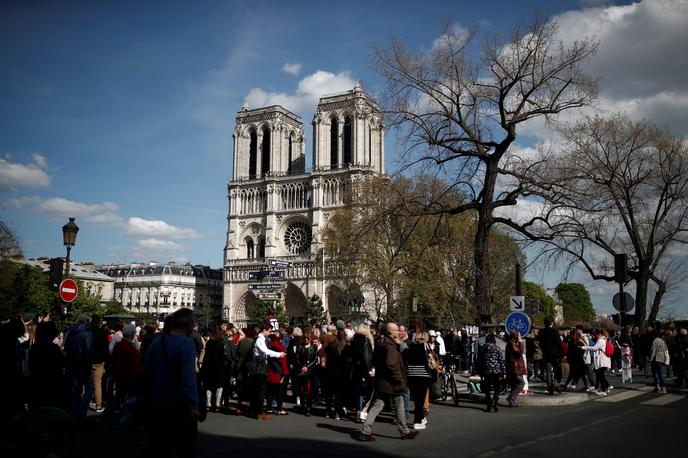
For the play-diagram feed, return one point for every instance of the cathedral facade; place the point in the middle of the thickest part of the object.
(278, 210)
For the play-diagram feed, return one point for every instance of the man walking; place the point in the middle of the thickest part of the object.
(550, 344)
(169, 379)
(78, 358)
(390, 383)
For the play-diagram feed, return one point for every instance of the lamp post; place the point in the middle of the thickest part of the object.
(69, 231)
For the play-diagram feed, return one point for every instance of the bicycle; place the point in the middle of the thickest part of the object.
(448, 386)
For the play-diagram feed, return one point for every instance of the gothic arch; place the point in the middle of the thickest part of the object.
(295, 302)
(347, 147)
(243, 308)
(334, 142)
(265, 150)
(253, 153)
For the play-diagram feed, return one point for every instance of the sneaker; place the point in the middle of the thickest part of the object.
(100, 410)
(424, 422)
(418, 426)
(409, 435)
(92, 406)
(602, 393)
(362, 415)
(366, 437)
(610, 388)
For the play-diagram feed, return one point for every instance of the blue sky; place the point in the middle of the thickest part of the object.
(121, 113)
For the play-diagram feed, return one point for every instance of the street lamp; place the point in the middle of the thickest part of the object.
(69, 231)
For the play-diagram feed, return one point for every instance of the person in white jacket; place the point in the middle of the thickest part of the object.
(601, 362)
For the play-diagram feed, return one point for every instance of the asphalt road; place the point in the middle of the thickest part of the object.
(630, 422)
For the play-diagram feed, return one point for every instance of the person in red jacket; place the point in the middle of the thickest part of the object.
(278, 374)
(126, 365)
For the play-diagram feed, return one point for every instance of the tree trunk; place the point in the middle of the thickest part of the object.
(656, 302)
(482, 235)
(641, 282)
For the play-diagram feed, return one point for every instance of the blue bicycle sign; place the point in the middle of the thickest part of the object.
(517, 321)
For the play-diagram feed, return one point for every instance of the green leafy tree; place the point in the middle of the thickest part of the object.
(577, 304)
(260, 310)
(24, 288)
(314, 313)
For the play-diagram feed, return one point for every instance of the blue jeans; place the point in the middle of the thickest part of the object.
(657, 372)
(82, 391)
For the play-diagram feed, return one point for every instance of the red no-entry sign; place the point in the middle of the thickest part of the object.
(68, 290)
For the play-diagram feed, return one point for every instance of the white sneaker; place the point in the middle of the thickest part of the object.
(424, 421)
(92, 405)
(610, 388)
(418, 426)
(363, 415)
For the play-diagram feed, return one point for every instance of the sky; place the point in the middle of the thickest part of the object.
(121, 113)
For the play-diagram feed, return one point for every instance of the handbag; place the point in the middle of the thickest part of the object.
(433, 362)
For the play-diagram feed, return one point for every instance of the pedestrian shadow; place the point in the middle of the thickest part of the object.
(352, 432)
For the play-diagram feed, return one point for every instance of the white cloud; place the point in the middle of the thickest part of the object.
(292, 69)
(159, 246)
(59, 207)
(20, 202)
(456, 36)
(641, 58)
(158, 228)
(309, 90)
(13, 175)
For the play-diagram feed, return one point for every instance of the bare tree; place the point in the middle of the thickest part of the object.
(618, 187)
(9, 245)
(458, 108)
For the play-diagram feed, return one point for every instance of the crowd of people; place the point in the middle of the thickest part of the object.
(168, 379)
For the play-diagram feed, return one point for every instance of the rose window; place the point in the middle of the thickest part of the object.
(297, 238)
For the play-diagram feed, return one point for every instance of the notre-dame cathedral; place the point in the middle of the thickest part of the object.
(278, 210)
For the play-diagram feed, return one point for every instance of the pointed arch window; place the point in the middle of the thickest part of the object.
(334, 143)
(291, 157)
(250, 252)
(265, 151)
(347, 140)
(253, 155)
(261, 247)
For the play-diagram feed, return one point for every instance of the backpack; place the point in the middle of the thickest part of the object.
(609, 349)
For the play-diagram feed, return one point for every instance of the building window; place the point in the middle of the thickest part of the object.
(265, 151)
(291, 158)
(253, 155)
(347, 140)
(261, 247)
(334, 143)
(250, 254)
(297, 238)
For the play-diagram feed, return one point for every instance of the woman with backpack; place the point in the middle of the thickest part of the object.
(601, 360)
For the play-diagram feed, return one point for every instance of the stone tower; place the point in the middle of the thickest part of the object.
(277, 209)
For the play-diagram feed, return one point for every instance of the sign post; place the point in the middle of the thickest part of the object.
(68, 290)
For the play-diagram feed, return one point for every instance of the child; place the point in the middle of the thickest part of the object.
(626, 363)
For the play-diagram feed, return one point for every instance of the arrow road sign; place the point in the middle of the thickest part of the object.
(68, 290)
(517, 321)
(266, 286)
(269, 296)
(281, 264)
(517, 303)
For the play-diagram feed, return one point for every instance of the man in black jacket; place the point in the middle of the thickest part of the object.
(550, 344)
